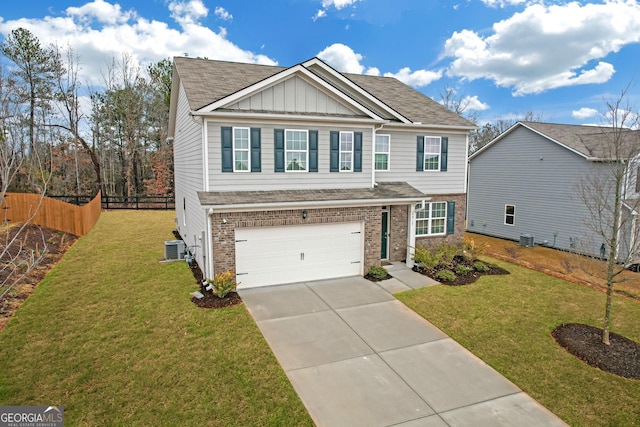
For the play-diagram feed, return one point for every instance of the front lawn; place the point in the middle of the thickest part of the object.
(507, 322)
(112, 335)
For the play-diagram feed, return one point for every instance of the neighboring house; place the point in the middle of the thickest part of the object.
(306, 173)
(524, 186)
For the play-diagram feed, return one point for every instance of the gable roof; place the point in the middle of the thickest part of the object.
(206, 82)
(586, 141)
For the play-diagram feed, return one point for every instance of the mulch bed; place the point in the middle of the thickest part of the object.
(621, 357)
(211, 301)
(377, 279)
(52, 244)
(461, 280)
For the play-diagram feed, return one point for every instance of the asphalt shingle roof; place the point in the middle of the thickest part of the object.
(206, 81)
(591, 141)
(384, 191)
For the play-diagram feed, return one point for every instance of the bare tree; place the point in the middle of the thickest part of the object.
(611, 197)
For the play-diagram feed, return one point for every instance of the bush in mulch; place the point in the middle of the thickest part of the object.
(377, 274)
(462, 271)
(621, 357)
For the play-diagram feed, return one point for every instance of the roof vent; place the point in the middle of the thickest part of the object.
(174, 249)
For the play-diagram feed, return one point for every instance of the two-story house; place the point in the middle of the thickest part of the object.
(529, 182)
(305, 173)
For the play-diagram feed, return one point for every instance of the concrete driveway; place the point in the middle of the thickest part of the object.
(358, 357)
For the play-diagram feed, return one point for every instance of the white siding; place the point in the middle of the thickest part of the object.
(268, 179)
(402, 163)
(189, 177)
(294, 95)
(539, 177)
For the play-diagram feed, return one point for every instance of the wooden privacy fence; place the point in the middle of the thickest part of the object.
(54, 214)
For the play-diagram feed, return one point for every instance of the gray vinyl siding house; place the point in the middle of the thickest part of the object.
(303, 173)
(524, 185)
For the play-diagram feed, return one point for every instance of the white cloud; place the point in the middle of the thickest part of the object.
(584, 113)
(222, 13)
(545, 47)
(344, 59)
(99, 31)
(473, 103)
(418, 78)
(337, 4)
(502, 3)
(320, 14)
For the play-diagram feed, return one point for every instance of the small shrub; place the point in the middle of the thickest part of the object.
(446, 252)
(426, 258)
(512, 251)
(446, 275)
(223, 283)
(471, 250)
(480, 267)
(463, 270)
(379, 273)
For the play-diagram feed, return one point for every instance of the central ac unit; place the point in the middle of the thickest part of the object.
(174, 249)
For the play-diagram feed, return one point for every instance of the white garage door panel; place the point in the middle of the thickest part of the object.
(279, 255)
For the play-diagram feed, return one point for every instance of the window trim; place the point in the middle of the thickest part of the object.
(286, 151)
(425, 153)
(350, 152)
(512, 215)
(430, 218)
(387, 153)
(247, 150)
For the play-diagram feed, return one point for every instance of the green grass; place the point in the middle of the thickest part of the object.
(507, 322)
(112, 335)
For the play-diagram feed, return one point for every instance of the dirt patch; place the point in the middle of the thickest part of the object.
(33, 242)
(563, 265)
(621, 357)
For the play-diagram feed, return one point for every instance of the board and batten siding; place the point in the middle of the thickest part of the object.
(402, 161)
(294, 95)
(539, 178)
(268, 179)
(189, 177)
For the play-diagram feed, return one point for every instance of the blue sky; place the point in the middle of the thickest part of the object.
(557, 59)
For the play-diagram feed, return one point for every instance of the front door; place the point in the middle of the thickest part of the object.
(384, 244)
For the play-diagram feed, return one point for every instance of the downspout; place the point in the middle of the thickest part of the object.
(411, 234)
(209, 244)
(205, 155)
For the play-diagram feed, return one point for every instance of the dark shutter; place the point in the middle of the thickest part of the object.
(357, 152)
(420, 154)
(227, 149)
(451, 217)
(444, 153)
(334, 154)
(313, 151)
(255, 150)
(278, 143)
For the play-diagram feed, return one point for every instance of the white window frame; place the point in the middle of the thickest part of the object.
(348, 152)
(386, 153)
(429, 219)
(247, 150)
(432, 153)
(287, 151)
(512, 215)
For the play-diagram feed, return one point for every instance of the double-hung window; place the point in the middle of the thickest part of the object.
(509, 214)
(241, 147)
(432, 153)
(432, 219)
(296, 144)
(383, 148)
(346, 151)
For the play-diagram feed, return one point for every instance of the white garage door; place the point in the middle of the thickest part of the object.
(278, 255)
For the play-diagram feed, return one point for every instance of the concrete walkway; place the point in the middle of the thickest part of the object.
(358, 357)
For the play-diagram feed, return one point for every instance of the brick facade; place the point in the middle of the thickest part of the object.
(224, 224)
(398, 232)
(458, 229)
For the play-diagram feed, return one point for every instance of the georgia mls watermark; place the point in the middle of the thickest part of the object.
(31, 416)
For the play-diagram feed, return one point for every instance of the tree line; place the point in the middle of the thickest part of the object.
(60, 135)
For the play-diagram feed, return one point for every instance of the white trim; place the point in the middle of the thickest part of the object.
(424, 154)
(306, 169)
(341, 151)
(388, 153)
(513, 215)
(411, 235)
(281, 77)
(255, 207)
(430, 218)
(205, 154)
(227, 115)
(233, 148)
